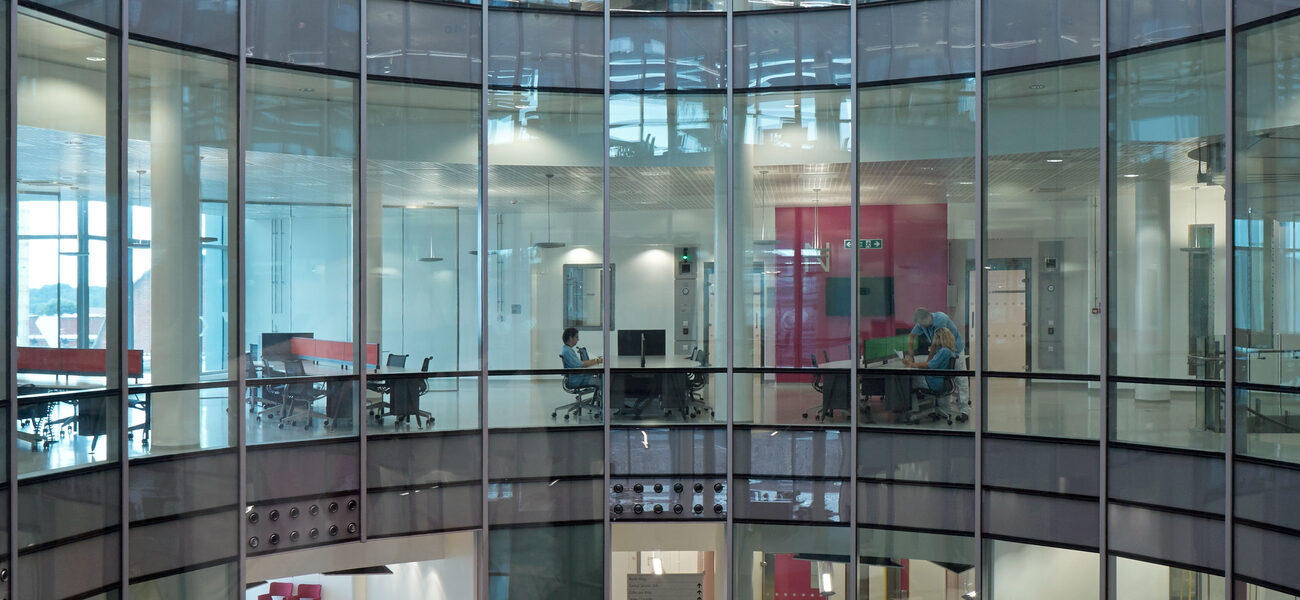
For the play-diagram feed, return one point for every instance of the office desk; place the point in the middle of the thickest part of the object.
(671, 386)
(895, 389)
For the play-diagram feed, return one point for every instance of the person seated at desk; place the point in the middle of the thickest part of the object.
(572, 361)
(928, 324)
(943, 355)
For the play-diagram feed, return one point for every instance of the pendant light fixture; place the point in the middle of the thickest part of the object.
(549, 243)
(763, 239)
(431, 258)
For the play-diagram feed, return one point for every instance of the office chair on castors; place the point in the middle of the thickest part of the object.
(405, 399)
(818, 384)
(931, 404)
(696, 382)
(579, 402)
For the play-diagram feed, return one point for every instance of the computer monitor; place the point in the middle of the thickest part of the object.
(629, 342)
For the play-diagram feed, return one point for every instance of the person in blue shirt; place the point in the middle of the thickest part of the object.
(943, 355)
(927, 324)
(569, 355)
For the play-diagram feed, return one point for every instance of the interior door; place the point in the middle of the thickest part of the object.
(1007, 321)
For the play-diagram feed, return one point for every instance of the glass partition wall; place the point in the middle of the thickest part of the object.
(715, 299)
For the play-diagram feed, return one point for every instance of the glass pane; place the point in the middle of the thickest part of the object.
(422, 227)
(1267, 245)
(1017, 570)
(180, 421)
(563, 561)
(916, 249)
(179, 204)
(791, 49)
(1133, 23)
(532, 49)
(211, 24)
(791, 204)
(1026, 32)
(64, 188)
(300, 182)
(667, 5)
(673, 53)
(894, 565)
(1042, 291)
(544, 175)
(685, 558)
(405, 403)
(1049, 407)
(789, 561)
(546, 400)
(424, 41)
(1134, 579)
(1168, 415)
(305, 32)
(1167, 217)
(1267, 424)
(916, 39)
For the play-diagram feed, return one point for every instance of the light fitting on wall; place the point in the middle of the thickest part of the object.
(431, 258)
(549, 243)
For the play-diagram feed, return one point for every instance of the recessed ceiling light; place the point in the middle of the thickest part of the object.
(965, 183)
(1055, 160)
(1036, 86)
(95, 59)
(1130, 175)
(307, 90)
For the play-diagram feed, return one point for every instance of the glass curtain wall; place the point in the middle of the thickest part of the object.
(645, 266)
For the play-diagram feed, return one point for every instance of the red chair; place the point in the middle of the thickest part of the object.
(279, 589)
(307, 591)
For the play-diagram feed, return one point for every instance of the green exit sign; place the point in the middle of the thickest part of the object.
(866, 244)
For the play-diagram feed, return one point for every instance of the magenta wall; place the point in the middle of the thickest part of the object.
(915, 255)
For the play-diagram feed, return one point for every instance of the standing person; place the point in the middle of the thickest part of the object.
(926, 323)
(572, 361)
(943, 355)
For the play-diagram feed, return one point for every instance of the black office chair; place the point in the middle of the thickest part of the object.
(405, 399)
(396, 360)
(818, 384)
(579, 402)
(927, 403)
(299, 398)
(696, 382)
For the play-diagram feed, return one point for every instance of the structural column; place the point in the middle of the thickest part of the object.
(174, 281)
(1149, 297)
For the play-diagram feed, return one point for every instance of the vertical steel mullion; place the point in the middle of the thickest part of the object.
(855, 260)
(361, 278)
(483, 555)
(236, 279)
(976, 390)
(729, 124)
(119, 319)
(1230, 296)
(606, 312)
(11, 295)
(605, 309)
(1103, 294)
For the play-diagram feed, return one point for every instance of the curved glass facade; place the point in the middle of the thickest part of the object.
(753, 300)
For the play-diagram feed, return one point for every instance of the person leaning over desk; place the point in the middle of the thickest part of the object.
(928, 323)
(572, 361)
(943, 355)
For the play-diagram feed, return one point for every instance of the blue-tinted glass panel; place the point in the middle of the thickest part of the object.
(316, 33)
(424, 41)
(1134, 23)
(792, 49)
(916, 39)
(658, 53)
(211, 24)
(545, 49)
(1025, 32)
